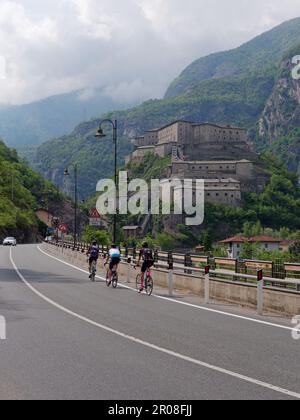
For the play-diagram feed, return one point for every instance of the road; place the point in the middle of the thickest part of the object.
(68, 338)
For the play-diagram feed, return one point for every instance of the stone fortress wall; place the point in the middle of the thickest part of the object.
(219, 154)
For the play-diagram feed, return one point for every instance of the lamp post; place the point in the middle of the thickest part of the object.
(67, 173)
(100, 134)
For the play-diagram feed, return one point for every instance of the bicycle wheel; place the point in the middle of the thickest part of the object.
(149, 286)
(93, 271)
(108, 282)
(138, 282)
(115, 280)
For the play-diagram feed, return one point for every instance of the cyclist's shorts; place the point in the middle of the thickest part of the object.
(146, 265)
(114, 261)
(92, 259)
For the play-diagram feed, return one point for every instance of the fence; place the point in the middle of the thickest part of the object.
(278, 275)
(177, 271)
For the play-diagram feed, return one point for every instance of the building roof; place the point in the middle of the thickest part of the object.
(237, 239)
(263, 238)
(216, 162)
(194, 124)
(223, 127)
(131, 227)
(255, 239)
(221, 181)
(146, 147)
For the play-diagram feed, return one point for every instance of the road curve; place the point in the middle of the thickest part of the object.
(70, 339)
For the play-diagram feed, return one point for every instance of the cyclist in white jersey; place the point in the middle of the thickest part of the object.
(114, 256)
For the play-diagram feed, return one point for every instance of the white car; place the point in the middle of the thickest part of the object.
(10, 242)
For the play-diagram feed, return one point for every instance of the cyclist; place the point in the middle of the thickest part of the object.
(93, 254)
(114, 256)
(147, 256)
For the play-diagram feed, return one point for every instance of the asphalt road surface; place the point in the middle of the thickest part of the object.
(68, 338)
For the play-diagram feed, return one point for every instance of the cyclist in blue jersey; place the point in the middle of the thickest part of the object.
(114, 256)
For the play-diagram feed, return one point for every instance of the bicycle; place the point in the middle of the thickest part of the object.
(114, 280)
(148, 282)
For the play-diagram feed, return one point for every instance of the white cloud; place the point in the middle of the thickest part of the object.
(133, 48)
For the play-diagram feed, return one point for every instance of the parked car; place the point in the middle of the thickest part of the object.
(10, 242)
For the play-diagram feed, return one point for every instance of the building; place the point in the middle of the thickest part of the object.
(132, 232)
(286, 245)
(242, 171)
(235, 245)
(223, 191)
(202, 141)
(221, 155)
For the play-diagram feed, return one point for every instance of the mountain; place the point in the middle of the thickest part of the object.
(37, 122)
(235, 87)
(282, 110)
(254, 56)
(22, 192)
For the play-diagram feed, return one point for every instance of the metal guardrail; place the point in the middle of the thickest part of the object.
(185, 264)
(165, 262)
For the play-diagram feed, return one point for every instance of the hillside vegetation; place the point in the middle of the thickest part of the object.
(22, 191)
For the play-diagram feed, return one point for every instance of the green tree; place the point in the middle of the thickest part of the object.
(166, 242)
(91, 234)
(207, 241)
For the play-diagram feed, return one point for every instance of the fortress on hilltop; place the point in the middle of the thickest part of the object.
(221, 155)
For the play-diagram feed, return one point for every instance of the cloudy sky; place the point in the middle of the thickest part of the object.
(133, 48)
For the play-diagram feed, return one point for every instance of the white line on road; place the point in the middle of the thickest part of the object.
(152, 346)
(202, 308)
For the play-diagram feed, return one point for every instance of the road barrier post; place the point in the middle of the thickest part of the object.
(128, 269)
(206, 285)
(171, 275)
(260, 292)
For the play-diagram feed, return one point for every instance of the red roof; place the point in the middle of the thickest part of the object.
(263, 238)
(238, 239)
(255, 239)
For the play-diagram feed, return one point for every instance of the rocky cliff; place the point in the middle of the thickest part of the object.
(282, 111)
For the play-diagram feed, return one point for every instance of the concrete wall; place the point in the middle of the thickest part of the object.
(245, 295)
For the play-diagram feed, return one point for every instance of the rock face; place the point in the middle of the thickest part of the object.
(282, 111)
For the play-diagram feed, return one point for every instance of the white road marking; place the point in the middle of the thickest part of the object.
(202, 308)
(174, 354)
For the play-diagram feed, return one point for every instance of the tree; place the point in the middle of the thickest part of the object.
(91, 234)
(207, 241)
(166, 241)
(295, 249)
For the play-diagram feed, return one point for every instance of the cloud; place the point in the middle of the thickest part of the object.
(132, 48)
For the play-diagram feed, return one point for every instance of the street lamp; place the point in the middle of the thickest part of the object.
(100, 134)
(66, 174)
